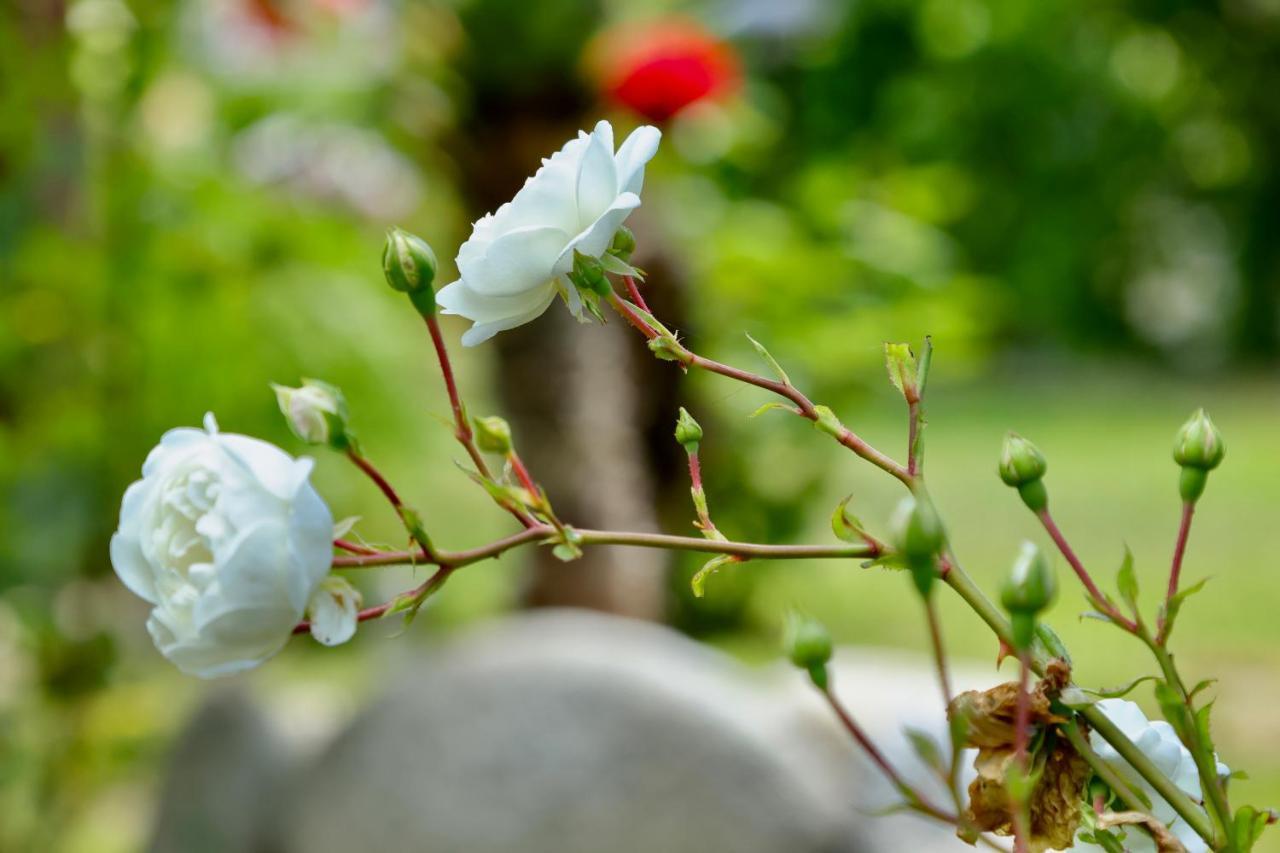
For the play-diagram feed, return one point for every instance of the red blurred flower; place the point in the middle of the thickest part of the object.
(660, 68)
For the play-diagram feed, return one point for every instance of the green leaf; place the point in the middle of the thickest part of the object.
(1238, 774)
(886, 561)
(770, 360)
(1203, 727)
(1173, 709)
(774, 405)
(1127, 580)
(1053, 642)
(650, 319)
(699, 581)
(1249, 825)
(345, 526)
(846, 527)
(901, 364)
(617, 266)
(1120, 690)
(1104, 839)
(926, 748)
(1170, 610)
(1199, 687)
(566, 552)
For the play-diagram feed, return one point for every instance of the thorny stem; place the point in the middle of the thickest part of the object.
(634, 291)
(804, 406)
(461, 428)
(353, 547)
(422, 591)
(1175, 569)
(1095, 595)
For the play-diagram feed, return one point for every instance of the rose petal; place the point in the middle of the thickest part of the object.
(597, 184)
(595, 239)
(333, 610)
(515, 262)
(636, 151)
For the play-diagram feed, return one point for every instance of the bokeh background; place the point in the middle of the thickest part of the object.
(1080, 201)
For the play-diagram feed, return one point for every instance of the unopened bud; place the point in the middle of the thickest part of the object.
(1198, 443)
(1027, 591)
(588, 274)
(919, 537)
(624, 243)
(410, 267)
(315, 413)
(1021, 462)
(688, 431)
(808, 645)
(493, 435)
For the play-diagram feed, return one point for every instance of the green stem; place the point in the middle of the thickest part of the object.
(1104, 770)
(1206, 764)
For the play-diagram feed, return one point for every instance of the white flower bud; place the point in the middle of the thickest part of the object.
(333, 611)
(316, 412)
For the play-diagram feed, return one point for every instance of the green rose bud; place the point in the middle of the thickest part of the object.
(624, 243)
(1027, 591)
(1020, 461)
(588, 274)
(808, 644)
(919, 537)
(493, 435)
(688, 431)
(1198, 448)
(315, 413)
(1022, 466)
(410, 267)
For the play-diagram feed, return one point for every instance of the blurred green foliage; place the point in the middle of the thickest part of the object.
(191, 203)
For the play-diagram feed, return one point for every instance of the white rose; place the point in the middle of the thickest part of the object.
(1160, 743)
(227, 538)
(516, 259)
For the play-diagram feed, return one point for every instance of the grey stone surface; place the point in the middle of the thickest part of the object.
(225, 769)
(568, 731)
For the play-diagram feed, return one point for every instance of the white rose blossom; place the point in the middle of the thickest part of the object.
(516, 260)
(1159, 742)
(226, 537)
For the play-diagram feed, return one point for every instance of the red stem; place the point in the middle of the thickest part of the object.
(913, 429)
(939, 649)
(522, 474)
(695, 472)
(805, 406)
(634, 290)
(1175, 570)
(1095, 594)
(353, 548)
(376, 476)
(425, 588)
(461, 429)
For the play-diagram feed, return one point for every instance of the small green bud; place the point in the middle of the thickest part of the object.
(1021, 462)
(919, 536)
(688, 431)
(624, 243)
(588, 274)
(808, 644)
(315, 413)
(917, 530)
(410, 267)
(493, 435)
(1029, 589)
(1034, 495)
(1198, 443)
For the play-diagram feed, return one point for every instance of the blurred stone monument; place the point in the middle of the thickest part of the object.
(564, 731)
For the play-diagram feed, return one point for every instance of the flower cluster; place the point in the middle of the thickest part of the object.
(233, 548)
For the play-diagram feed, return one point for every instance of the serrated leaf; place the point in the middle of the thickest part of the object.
(1249, 824)
(1120, 690)
(1174, 605)
(774, 405)
(345, 526)
(770, 360)
(698, 582)
(926, 749)
(846, 527)
(1127, 580)
(1173, 709)
(901, 364)
(1203, 727)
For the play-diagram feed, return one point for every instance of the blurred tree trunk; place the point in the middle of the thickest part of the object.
(583, 400)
